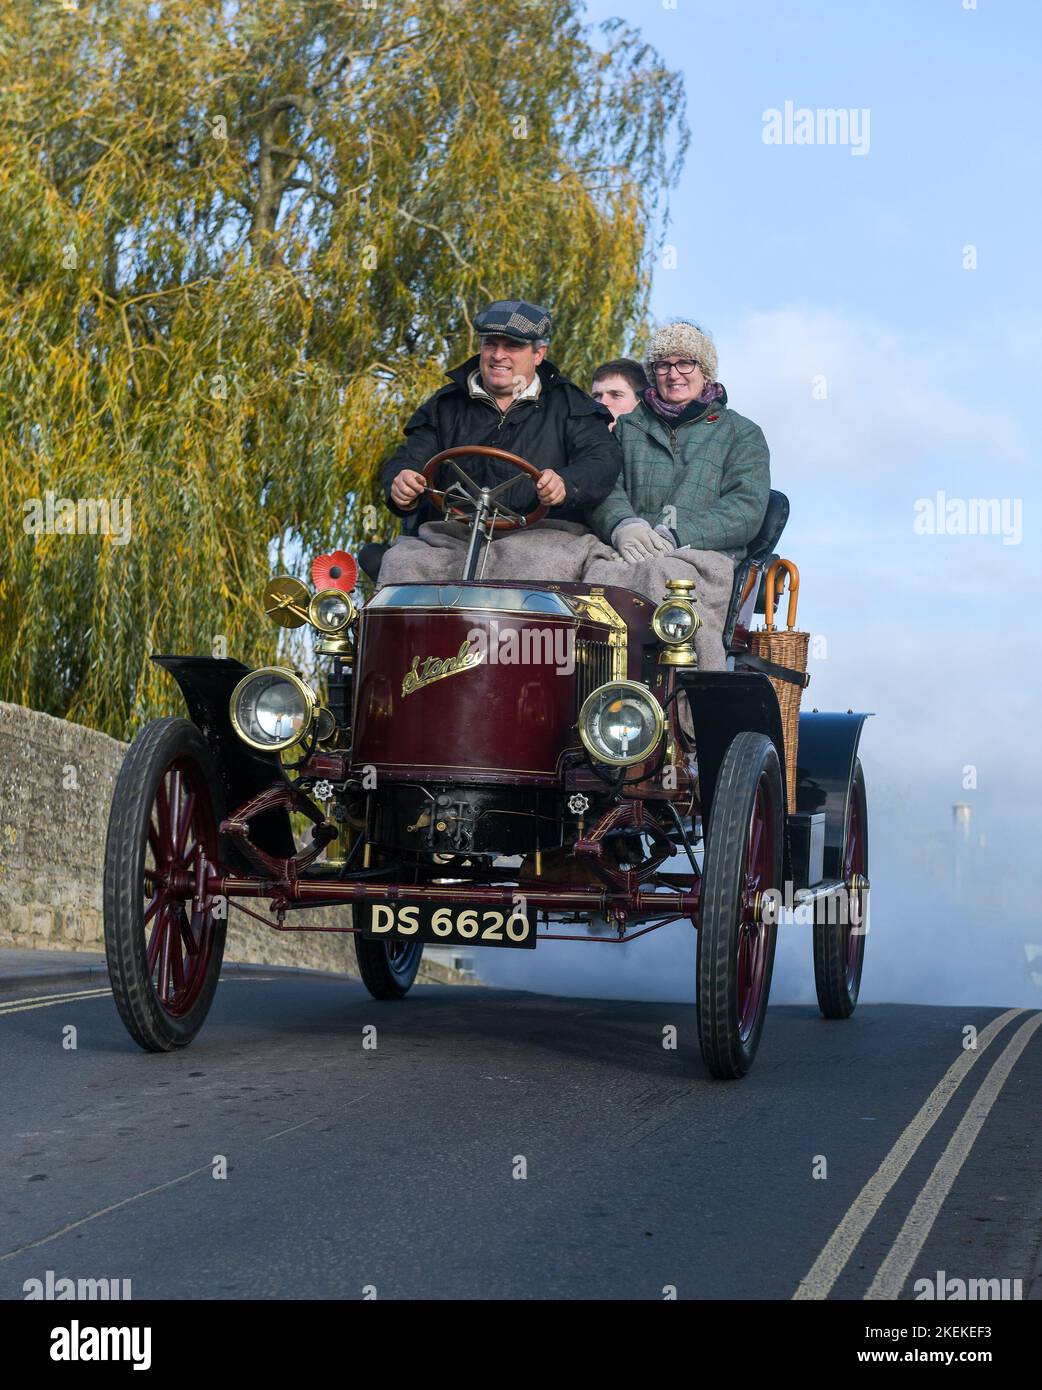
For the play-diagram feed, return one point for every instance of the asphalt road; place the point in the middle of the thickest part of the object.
(397, 1168)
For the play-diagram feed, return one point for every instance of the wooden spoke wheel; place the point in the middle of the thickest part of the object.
(736, 936)
(839, 947)
(164, 944)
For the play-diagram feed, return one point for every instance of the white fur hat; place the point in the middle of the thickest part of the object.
(680, 336)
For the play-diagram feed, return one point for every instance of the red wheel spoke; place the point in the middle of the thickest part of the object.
(177, 964)
(755, 839)
(185, 823)
(206, 931)
(179, 943)
(761, 950)
(753, 940)
(174, 809)
(189, 932)
(162, 808)
(155, 940)
(163, 983)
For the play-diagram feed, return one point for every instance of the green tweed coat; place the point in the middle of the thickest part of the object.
(707, 479)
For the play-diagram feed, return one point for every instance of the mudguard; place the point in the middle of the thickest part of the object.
(724, 704)
(207, 683)
(825, 756)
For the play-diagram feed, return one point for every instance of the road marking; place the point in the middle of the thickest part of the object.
(48, 1001)
(904, 1252)
(829, 1265)
(313, 1118)
(149, 1191)
(44, 1240)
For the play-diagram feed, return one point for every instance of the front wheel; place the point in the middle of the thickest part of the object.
(164, 945)
(387, 968)
(737, 935)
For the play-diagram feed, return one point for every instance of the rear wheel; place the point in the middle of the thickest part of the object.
(736, 936)
(164, 947)
(387, 968)
(839, 947)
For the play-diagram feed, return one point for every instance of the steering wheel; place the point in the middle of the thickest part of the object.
(465, 490)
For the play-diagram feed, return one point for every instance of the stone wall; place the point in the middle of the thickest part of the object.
(56, 782)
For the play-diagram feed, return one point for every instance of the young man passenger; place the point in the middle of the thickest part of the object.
(619, 385)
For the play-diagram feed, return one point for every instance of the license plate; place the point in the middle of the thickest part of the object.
(452, 926)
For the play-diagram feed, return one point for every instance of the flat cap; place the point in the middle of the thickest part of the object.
(513, 318)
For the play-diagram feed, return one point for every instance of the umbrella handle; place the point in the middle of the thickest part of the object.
(790, 569)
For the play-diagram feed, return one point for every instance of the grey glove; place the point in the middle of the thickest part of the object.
(635, 540)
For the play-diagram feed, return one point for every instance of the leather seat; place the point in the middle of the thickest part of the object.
(761, 553)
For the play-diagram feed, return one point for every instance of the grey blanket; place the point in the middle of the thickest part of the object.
(713, 574)
(551, 550)
(564, 551)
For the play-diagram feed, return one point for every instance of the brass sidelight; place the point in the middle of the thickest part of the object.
(675, 623)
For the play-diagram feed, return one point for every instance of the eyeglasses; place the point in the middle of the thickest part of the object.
(685, 367)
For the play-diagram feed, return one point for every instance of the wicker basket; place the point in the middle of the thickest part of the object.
(788, 649)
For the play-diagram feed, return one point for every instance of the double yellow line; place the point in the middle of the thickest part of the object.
(893, 1272)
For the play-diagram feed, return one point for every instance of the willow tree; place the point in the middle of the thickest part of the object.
(238, 243)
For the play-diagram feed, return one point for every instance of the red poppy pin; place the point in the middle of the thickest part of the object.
(336, 571)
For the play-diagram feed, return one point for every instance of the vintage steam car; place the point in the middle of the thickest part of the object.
(454, 795)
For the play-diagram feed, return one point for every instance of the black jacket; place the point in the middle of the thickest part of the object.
(563, 429)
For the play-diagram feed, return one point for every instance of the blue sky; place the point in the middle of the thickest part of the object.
(955, 158)
(809, 262)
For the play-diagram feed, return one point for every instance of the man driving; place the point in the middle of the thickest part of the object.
(508, 396)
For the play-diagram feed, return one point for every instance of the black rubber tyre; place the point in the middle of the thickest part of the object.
(387, 968)
(164, 1000)
(736, 947)
(839, 947)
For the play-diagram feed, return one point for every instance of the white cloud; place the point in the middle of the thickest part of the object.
(892, 401)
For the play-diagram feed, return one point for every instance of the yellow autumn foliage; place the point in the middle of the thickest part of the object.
(239, 242)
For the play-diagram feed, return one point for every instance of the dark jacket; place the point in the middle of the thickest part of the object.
(563, 429)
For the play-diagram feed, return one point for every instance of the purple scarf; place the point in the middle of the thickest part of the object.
(669, 411)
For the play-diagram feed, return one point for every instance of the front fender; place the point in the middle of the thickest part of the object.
(207, 683)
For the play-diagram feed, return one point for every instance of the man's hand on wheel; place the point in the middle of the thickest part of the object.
(406, 488)
(550, 488)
